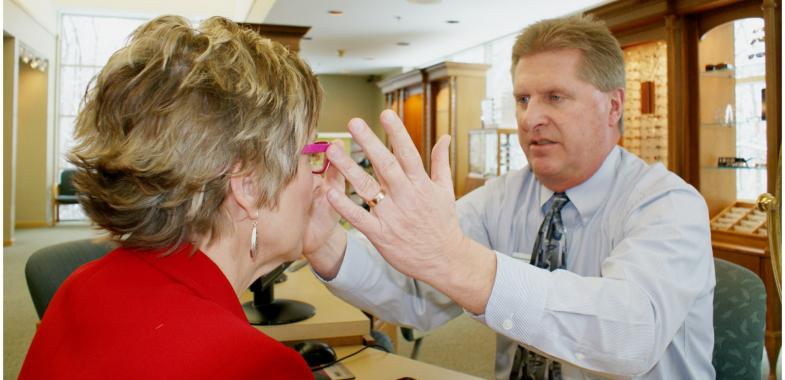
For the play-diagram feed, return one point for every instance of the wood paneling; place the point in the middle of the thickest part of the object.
(413, 120)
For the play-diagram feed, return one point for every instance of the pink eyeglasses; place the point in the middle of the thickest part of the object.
(317, 156)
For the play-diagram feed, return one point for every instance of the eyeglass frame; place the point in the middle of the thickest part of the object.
(314, 148)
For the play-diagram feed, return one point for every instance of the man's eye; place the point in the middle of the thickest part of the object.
(555, 98)
(524, 99)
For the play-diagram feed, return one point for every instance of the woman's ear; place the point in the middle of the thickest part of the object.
(244, 194)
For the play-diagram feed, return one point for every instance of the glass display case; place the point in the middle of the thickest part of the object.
(732, 130)
(494, 152)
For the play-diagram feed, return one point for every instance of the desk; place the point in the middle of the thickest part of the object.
(375, 364)
(343, 326)
(336, 322)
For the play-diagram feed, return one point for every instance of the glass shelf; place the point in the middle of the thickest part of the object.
(718, 125)
(732, 125)
(733, 168)
(723, 73)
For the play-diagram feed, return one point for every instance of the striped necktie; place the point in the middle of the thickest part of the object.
(548, 253)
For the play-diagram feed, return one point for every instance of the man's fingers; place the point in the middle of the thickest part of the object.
(403, 146)
(354, 214)
(363, 183)
(384, 163)
(440, 163)
(333, 177)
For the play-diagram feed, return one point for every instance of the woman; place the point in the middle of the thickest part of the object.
(192, 153)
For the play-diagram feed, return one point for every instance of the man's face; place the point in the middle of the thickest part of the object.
(566, 126)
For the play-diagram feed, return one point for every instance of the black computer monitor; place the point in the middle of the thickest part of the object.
(266, 310)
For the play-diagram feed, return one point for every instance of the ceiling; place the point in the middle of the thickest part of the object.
(369, 31)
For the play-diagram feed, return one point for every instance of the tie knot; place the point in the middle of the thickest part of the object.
(559, 200)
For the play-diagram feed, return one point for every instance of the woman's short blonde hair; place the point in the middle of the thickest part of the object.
(603, 61)
(174, 114)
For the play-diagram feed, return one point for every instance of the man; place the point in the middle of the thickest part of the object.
(620, 280)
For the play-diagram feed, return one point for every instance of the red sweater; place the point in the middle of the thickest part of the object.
(137, 315)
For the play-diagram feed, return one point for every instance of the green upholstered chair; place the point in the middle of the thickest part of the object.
(48, 267)
(739, 322)
(66, 192)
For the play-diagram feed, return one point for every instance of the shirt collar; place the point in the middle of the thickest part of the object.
(589, 195)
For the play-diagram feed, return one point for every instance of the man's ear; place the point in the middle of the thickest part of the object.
(616, 98)
(244, 193)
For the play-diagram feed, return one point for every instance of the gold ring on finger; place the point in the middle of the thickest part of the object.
(376, 199)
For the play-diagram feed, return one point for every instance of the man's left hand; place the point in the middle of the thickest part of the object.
(415, 223)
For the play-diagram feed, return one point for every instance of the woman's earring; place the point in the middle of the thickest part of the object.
(253, 241)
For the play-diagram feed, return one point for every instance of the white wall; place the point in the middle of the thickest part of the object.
(32, 24)
(32, 194)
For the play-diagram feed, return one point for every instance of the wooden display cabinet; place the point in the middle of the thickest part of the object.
(492, 153)
(681, 24)
(441, 99)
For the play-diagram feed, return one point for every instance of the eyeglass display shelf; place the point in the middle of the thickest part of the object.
(718, 125)
(734, 168)
(730, 125)
(740, 219)
(722, 73)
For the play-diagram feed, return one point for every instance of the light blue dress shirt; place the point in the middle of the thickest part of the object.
(635, 300)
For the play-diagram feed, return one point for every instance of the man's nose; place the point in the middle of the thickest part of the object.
(533, 116)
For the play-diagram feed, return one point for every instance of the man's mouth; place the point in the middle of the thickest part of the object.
(542, 142)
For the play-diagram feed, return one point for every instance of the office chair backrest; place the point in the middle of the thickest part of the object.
(66, 186)
(48, 267)
(739, 322)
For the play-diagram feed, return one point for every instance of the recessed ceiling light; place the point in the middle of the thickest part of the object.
(335, 13)
(402, 44)
(307, 38)
(424, 1)
(368, 58)
(452, 21)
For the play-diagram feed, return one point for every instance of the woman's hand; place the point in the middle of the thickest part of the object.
(325, 239)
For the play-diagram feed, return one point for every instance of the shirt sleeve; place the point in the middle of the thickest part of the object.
(621, 323)
(366, 281)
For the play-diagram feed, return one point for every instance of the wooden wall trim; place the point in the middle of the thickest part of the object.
(772, 16)
(716, 17)
(686, 7)
(448, 69)
(629, 14)
(395, 82)
(683, 110)
(288, 35)
(655, 31)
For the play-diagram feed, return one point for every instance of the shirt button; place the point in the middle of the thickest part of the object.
(580, 356)
(507, 324)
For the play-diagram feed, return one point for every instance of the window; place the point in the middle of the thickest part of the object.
(86, 43)
(750, 122)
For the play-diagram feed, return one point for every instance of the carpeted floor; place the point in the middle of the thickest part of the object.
(462, 344)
